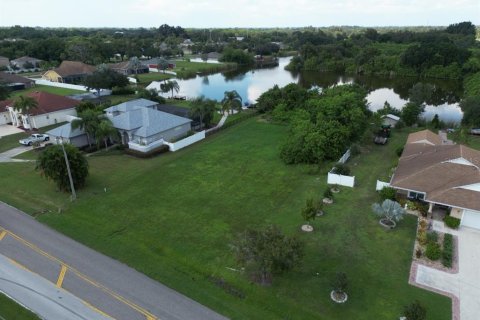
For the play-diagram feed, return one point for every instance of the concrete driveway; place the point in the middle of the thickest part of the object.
(6, 130)
(464, 286)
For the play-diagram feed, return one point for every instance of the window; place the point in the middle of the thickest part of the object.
(416, 195)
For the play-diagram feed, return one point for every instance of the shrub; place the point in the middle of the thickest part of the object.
(422, 237)
(433, 251)
(122, 90)
(415, 311)
(399, 151)
(328, 193)
(388, 193)
(354, 150)
(447, 254)
(418, 253)
(432, 237)
(400, 125)
(452, 222)
(423, 224)
(341, 168)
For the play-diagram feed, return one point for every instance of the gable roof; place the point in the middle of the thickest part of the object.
(146, 122)
(391, 116)
(131, 105)
(125, 65)
(424, 136)
(47, 102)
(440, 171)
(13, 78)
(26, 59)
(70, 68)
(66, 131)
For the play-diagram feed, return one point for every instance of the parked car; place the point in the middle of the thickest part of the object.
(475, 131)
(34, 138)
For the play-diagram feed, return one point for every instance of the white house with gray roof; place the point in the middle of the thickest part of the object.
(76, 136)
(139, 122)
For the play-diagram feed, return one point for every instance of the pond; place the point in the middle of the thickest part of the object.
(250, 84)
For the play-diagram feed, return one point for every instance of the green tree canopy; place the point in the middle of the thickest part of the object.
(51, 164)
(204, 109)
(231, 101)
(267, 252)
(105, 78)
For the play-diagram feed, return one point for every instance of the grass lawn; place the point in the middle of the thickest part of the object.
(173, 218)
(10, 310)
(11, 141)
(54, 90)
(146, 78)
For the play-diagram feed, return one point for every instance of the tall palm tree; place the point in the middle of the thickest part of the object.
(89, 122)
(204, 109)
(104, 131)
(170, 85)
(231, 101)
(25, 105)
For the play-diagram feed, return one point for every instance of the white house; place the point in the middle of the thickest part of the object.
(390, 119)
(51, 109)
(442, 175)
(140, 123)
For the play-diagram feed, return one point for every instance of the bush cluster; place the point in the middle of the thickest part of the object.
(433, 252)
(452, 222)
(388, 193)
(432, 237)
(122, 90)
(447, 254)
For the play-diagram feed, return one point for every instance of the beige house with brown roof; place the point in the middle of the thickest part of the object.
(69, 72)
(441, 174)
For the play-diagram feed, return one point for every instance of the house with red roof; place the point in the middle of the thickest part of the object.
(51, 109)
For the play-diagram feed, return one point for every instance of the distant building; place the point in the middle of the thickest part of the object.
(69, 72)
(16, 82)
(390, 119)
(4, 61)
(51, 109)
(21, 62)
(128, 67)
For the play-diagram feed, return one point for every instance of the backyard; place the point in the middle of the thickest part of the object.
(174, 217)
(49, 89)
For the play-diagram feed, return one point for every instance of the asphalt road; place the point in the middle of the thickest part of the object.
(105, 284)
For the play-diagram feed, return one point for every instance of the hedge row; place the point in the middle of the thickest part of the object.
(447, 254)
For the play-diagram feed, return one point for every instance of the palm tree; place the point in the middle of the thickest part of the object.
(390, 210)
(203, 109)
(24, 105)
(170, 85)
(104, 131)
(89, 122)
(231, 101)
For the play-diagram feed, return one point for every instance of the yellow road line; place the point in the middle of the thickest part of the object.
(61, 276)
(18, 264)
(2, 234)
(84, 277)
(98, 310)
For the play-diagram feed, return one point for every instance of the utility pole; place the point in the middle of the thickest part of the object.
(74, 195)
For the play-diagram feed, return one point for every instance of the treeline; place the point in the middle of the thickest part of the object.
(471, 102)
(443, 53)
(322, 125)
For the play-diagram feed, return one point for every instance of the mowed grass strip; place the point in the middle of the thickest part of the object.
(9, 309)
(174, 218)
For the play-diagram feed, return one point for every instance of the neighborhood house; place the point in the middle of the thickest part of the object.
(51, 109)
(26, 62)
(67, 134)
(128, 67)
(443, 175)
(16, 82)
(69, 72)
(140, 123)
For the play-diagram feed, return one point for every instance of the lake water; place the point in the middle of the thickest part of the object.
(250, 84)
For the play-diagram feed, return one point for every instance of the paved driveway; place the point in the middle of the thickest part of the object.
(6, 130)
(465, 285)
(8, 156)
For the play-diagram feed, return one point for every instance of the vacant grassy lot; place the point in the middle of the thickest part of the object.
(10, 310)
(54, 90)
(146, 78)
(11, 141)
(174, 217)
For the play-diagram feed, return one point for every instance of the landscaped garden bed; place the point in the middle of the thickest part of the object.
(435, 249)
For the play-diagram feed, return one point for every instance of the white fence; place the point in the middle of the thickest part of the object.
(381, 185)
(145, 148)
(341, 180)
(60, 85)
(175, 146)
(345, 157)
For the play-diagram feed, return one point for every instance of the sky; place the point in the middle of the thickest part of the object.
(236, 13)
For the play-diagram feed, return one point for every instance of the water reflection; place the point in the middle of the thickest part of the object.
(250, 84)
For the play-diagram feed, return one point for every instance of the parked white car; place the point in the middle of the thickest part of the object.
(475, 131)
(34, 138)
